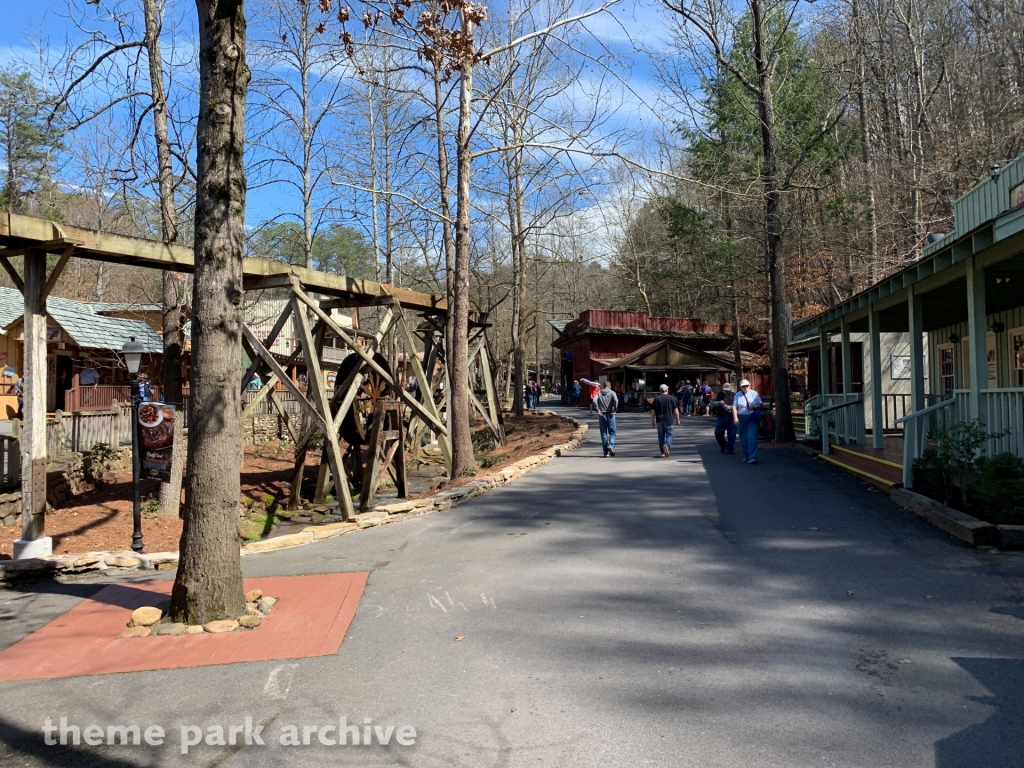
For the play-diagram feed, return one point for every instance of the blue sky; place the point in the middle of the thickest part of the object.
(643, 20)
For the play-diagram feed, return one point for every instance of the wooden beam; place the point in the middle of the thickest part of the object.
(317, 386)
(255, 347)
(421, 377)
(254, 364)
(58, 270)
(12, 273)
(404, 396)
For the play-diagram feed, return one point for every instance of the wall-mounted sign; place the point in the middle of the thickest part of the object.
(1017, 196)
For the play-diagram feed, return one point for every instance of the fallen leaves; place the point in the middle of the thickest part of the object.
(460, 638)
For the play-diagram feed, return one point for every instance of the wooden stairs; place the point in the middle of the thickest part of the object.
(867, 464)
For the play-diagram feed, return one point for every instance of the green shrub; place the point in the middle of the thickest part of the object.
(997, 488)
(98, 460)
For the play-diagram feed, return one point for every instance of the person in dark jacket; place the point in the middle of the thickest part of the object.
(725, 425)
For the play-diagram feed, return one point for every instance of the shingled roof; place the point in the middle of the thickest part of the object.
(84, 322)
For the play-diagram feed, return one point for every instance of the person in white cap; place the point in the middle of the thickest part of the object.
(665, 415)
(747, 415)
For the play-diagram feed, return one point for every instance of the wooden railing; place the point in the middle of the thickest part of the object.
(10, 454)
(1002, 413)
(844, 420)
(99, 397)
(79, 432)
(918, 427)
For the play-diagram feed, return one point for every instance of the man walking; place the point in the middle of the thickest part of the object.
(576, 391)
(747, 415)
(606, 404)
(725, 426)
(665, 415)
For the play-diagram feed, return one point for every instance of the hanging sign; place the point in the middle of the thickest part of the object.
(156, 436)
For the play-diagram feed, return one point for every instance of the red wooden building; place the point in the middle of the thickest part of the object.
(599, 337)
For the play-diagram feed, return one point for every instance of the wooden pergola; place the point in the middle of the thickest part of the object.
(396, 423)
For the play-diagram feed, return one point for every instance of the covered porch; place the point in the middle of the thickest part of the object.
(961, 310)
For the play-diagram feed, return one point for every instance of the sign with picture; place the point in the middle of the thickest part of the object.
(1017, 196)
(156, 436)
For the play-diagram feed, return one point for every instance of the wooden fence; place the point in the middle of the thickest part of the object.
(79, 432)
(100, 397)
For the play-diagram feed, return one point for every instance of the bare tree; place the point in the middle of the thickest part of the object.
(208, 584)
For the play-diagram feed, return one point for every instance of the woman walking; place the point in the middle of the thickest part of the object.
(747, 415)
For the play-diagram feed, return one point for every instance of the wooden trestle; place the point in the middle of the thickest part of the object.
(322, 411)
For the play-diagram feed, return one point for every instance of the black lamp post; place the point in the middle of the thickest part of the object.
(132, 354)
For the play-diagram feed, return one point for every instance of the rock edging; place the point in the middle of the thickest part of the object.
(382, 514)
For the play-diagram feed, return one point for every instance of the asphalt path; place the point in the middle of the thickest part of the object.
(627, 611)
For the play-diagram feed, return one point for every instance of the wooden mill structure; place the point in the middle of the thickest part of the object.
(369, 410)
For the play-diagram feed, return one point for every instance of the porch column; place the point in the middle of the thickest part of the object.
(914, 304)
(977, 329)
(33, 542)
(823, 360)
(877, 421)
(847, 371)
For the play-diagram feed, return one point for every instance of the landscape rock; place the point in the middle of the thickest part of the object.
(250, 622)
(146, 616)
(195, 629)
(279, 542)
(122, 561)
(221, 626)
(170, 629)
(266, 604)
(136, 632)
(251, 609)
(253, 595)
(162, 561)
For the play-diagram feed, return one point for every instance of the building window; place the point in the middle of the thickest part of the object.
(947, 371)
(1017, 357)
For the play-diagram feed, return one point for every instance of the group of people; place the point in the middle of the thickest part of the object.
(531, 395)
(737, 414)
(694, 398)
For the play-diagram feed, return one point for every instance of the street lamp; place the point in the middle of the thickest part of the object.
(132, 354)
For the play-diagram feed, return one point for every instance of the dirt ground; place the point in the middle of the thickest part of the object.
(101, 519)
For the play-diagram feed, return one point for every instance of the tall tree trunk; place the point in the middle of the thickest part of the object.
(772, 227)
(443, 175)
(458, 299)
(170, 372)
(208, 584)
(515, 221)
(865, 144)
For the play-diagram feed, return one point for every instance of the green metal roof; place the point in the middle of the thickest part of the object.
(983, 220)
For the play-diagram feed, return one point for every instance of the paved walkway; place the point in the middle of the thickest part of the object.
(689, 611)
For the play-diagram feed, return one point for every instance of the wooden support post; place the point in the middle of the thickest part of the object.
(12, 272)
(385, 443)
(824, 366)
(33, 541)
(492, 398)
(847, 372)
(877, 418)
(977, 332)
(915, 305)
(318, 390)
(58, 270)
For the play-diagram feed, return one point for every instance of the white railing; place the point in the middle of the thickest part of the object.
(1002, 413)
(844, 419)
(917, 427)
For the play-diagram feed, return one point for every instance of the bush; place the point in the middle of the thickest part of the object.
(998, 488)
(98, 460)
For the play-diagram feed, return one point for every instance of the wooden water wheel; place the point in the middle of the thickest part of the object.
(355, 427)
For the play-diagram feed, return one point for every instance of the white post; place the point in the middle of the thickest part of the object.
(877, 421)
(847, 372)
(914, 317)
(33, 542)
(823, 355)
(977, 325)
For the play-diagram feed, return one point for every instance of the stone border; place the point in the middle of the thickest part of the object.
(382, 514)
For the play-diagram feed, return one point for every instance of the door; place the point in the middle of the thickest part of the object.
(64, 372)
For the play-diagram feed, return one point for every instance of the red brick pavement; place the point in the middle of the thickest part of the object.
(310, 619)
